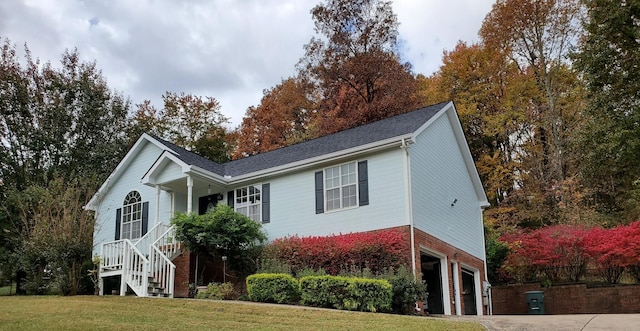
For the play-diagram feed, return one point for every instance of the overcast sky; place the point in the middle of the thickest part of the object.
(227, 49)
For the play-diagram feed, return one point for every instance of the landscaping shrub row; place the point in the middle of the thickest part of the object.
(375, 251)
(347, 293)
(563, 253)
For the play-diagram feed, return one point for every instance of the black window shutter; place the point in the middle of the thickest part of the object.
(319, 193)
(118, 217)
(266, 210)
(145, 217)
(230, 199)
(363, 183)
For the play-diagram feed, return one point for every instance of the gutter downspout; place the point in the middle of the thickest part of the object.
(486, 286)
(409, 204)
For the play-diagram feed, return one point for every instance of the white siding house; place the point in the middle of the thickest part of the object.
(412, 172)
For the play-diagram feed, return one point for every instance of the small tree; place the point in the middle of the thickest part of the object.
(220, 231)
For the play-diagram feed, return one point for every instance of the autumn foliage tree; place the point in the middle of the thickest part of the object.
(355, 65)
(538, 36)
(192, 122)
(281, 119)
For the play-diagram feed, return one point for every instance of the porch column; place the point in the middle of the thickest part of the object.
(189, 193)
(157, 220)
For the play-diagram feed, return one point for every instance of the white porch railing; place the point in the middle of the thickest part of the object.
(146, 265)
(112, 254)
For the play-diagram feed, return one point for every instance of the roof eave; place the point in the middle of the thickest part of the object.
(312, 162)
(104, 188)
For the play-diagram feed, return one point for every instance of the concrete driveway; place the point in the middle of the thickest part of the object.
(586, 322)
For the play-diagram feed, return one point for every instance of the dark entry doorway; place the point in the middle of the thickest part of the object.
(432, 276)
(208, 202)
(469, 293)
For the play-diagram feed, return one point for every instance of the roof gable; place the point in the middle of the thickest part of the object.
(123, 164)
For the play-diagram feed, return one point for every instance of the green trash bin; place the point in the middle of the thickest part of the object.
(535, 301)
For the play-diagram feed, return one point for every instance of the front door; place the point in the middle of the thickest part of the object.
(469, 293)
(208, 202)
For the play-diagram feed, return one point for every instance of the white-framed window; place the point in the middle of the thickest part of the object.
(248, 202)
(132, 216)
(341, 186)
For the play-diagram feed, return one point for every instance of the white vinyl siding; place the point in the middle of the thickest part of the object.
(293, 200)
(439, 177)
(105, 228)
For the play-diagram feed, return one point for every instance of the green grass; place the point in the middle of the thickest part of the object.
(132, 313)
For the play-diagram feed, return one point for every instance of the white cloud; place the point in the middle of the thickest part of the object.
(227, 49)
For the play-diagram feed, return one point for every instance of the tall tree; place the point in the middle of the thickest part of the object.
(55, 122)
(282, 118)
(485, 87)
(57, 119)
(538, 36)
(192, 122)
(56, 234)
(608, 58)
(355, 64)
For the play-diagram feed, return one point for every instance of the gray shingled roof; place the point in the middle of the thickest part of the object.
(391, 127)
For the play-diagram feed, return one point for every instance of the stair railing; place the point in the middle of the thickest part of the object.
(163, 271)
(136, 269)
(143, 243)
(168, 244)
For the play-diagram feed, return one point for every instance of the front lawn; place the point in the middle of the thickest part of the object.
(133, 313)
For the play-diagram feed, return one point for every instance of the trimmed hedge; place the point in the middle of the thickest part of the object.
(275, 288)
(348, 293)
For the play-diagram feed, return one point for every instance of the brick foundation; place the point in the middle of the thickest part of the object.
(185, 263)
(568, 299)
(425, 243)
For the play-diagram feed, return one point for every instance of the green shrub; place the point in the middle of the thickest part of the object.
(277, 288)
(218, 291)
(323, 291)
(348, 293)
(405, 290)
(368, 295)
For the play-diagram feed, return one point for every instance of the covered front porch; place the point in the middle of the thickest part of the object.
(146, 264)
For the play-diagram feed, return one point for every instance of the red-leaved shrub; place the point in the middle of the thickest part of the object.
(373, 250)
(563, 253)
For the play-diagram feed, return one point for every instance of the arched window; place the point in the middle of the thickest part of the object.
(132, 216)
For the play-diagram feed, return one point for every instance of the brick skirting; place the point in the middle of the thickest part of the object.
(568, 299)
